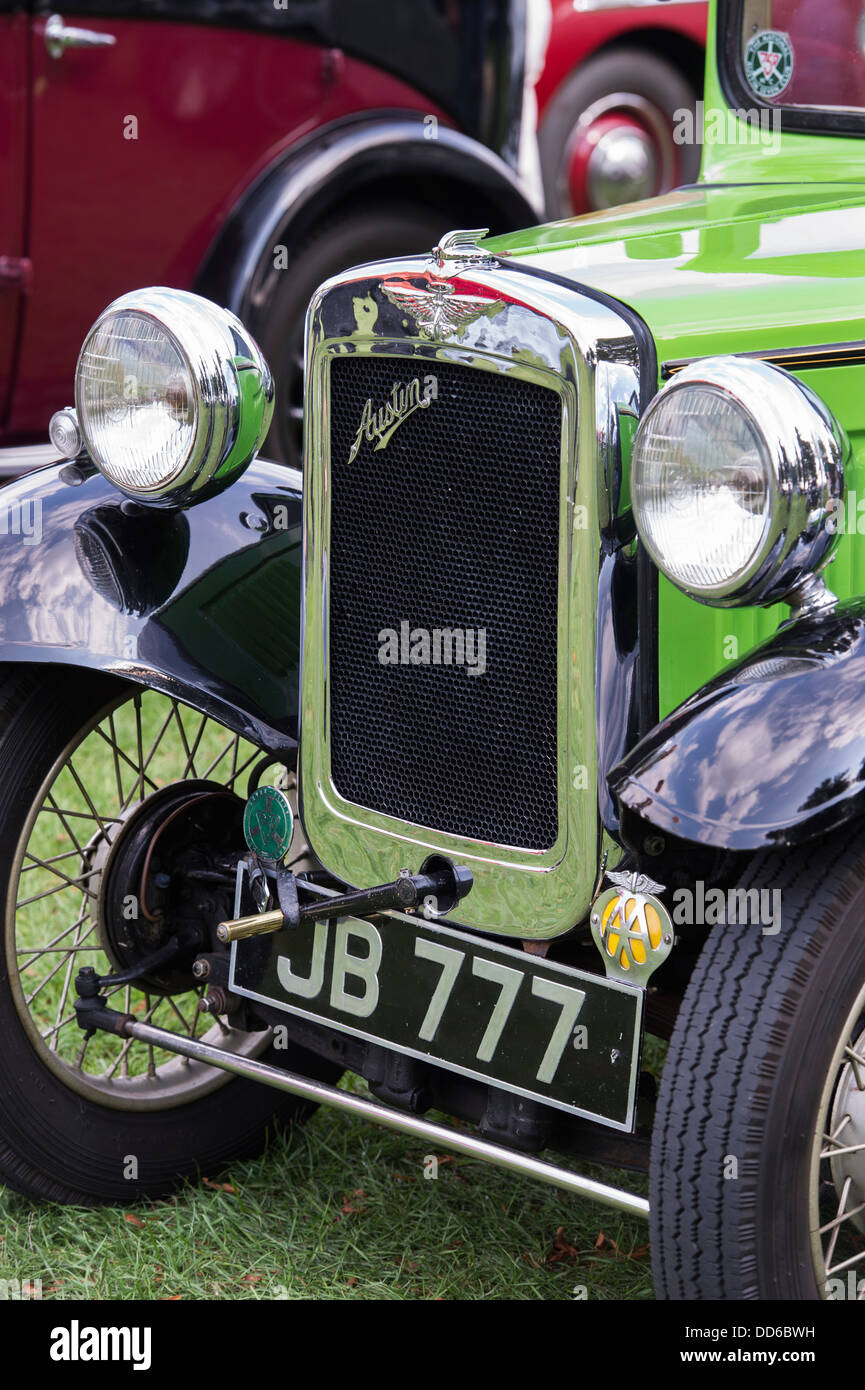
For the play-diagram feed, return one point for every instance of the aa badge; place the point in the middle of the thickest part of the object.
(632, 928)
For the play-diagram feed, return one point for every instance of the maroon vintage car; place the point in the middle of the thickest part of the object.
(616, 77)
(248, 149)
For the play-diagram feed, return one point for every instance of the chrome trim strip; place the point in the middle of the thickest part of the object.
(440, 1136)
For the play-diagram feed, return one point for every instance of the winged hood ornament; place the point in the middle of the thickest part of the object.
(635, 883)
(437, 309)
(436, 306)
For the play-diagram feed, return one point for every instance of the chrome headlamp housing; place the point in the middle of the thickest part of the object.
(173, 397)
(737, 472)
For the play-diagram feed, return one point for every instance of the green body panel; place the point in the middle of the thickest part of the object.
(767, 252)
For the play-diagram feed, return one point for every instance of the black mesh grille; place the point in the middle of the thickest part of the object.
(454, 524)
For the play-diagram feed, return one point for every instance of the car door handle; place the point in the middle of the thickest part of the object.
(59, 37)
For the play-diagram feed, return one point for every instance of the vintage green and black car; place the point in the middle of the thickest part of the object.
(563, 645)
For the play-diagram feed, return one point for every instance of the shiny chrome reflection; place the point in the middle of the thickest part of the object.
(231, 403)
(583, 351)
(805, 452)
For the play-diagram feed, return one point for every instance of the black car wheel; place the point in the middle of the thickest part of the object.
(758, 1151)
(353, 237)
(84, 1120)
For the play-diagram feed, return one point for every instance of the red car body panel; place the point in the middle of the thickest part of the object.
(121, 164)
(578, 33)
(138, 154)
(13, 203)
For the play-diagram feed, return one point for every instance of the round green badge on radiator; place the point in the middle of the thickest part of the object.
(268, 823)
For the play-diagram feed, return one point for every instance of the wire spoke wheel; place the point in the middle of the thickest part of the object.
(120, 819)
(838, 1168)
(129, 750)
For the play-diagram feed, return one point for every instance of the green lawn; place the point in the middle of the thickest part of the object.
(342, 1211)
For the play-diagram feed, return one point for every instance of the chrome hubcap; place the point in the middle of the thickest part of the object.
(622, 168)
(620, 150)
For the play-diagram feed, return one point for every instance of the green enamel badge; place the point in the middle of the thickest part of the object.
(268, 823)
(768, 63)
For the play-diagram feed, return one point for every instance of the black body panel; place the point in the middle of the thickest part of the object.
(202, 604)
(361, 159)
(770, 753)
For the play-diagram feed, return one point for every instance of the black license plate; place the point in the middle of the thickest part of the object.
(545, 1031)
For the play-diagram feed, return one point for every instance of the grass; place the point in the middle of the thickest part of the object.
(341, 1211)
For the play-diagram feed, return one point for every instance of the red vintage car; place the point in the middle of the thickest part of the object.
(618, 73)
(248, 149)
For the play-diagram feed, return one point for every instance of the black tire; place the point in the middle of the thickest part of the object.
(352, 237)
(56, 1144)
(627, 70)
(756, 1041)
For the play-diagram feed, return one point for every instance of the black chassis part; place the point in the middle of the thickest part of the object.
(405, 1083)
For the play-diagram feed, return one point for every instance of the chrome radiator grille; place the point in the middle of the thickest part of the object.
(452, 526)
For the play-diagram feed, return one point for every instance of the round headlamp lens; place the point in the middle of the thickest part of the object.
(136, 401)
(702, 487)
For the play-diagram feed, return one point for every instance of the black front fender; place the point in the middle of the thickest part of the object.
(377, 158)
(770, 753)
(203, 604)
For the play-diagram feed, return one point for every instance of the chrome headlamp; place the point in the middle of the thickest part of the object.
(173, 396)
(736, 475)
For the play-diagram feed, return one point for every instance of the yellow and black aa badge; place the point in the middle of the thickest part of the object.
(631, 927)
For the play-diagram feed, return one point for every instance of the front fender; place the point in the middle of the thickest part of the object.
(770, 753)
(385, 157)
(202, 604)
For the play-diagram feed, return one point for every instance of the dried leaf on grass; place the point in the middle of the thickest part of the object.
(562, 1249)
(353, 1203)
